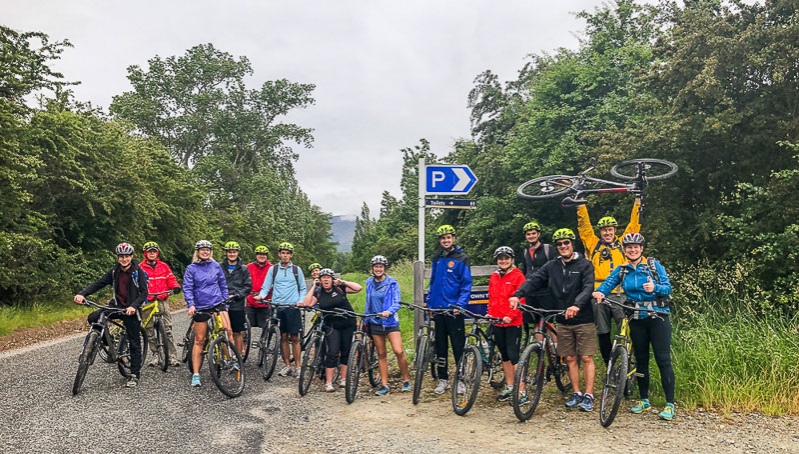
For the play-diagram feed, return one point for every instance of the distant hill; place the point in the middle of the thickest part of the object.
(343, 228)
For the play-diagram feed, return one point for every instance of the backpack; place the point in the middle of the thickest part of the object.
(274, 275)
(661, 301)
(547, 252)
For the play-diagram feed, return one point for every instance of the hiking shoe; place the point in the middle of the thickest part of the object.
(133, 381)
(588, 403)
(329, 388)
(523, 399)
(406, 387)
(505, 394)
(342, 383)
(383, 391)
(668, 412)
(285, 372)
(575, 400)
(174, 363)
(641, 406)
(195, 380)
(461, 387)
(442, 387)
(154, 363)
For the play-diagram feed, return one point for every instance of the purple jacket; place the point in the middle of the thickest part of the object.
(204, 285)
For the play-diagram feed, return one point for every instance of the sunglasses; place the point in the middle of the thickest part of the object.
(562, 243)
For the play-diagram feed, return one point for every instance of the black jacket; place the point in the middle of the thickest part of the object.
(239, 283)
(137, 289)
(570, 284)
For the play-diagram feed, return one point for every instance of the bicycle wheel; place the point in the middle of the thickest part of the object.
(161, 350)
(188, 343)
(655, 169)
(90, 346)
(354, 363)
(123, 352)
(546, 187)
(561, 372)
(528, 382)
(114, 332)
(245, 341)
(615, 380)
(308, 367)
(271, 350)
(420, 367)
(467, 383)
(372, 366)
(632, 380)
(226, 367)
(497, 380)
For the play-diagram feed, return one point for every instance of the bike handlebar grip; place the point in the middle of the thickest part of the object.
(570, 202)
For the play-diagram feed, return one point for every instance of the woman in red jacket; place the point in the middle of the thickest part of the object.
(258, 311)
(501, 285)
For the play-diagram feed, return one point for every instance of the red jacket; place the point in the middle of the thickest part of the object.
(160, 279)
(500, 289)
(258, 274)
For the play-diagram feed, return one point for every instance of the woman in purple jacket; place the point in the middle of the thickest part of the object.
(205, 289)
(383, 297)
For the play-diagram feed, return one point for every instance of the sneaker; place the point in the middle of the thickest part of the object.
(588, 403)
(505, 394)
(383, 391)
(461, 387)
(133, 381)
(154, 363)
(523, 399)
(285, 372)
(174, 363)
(195, 380)
(342, 383)
(406, 387)
(575, 400)
(668, 412)
(641, 406)
(442, 387)
(329, 388)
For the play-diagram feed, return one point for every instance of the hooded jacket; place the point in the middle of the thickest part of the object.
(450, 279)
(257, 275)
(500, 288)
(389, 290)
(633, 285)
(160, 279)
(137, 287)
(204, 285)
(570, 284)
(239, 283)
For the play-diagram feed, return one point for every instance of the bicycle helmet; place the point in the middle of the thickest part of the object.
(504, 250)
(445, 229)
(327, 272)
(261, 250)
(203, 244)
(563, 234)
(532, 225)
(633, 238)
(123, 249)
(314, 266)
(285, 246)
(150, 246)
(231, 246)
(379, 260)
(607, 221)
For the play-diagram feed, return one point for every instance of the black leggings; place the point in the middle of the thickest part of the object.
(452, 327)
(339, 342)
(658, 334)
(507, 340)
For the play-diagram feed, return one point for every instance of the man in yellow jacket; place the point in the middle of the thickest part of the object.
(605, 252)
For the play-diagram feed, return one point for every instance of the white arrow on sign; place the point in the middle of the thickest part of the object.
(463, 179)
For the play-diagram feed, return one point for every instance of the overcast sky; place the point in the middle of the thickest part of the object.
(387, 72)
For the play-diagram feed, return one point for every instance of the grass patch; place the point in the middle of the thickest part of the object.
(38, 314)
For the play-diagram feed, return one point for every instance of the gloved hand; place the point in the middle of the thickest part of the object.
(176, 290)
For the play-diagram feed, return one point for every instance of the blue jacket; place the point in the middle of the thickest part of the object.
(204, 285)
(390, 291)
(283, 285)
(633, 285)
(450, 280)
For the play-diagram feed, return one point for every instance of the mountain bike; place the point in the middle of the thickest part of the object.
(155, 319)
(224, 361)
(531, 373)
(425, 349)
(475, 359)
(635, 173)
(313, 357)
(99, 338)
(363, 356)
(621, 374)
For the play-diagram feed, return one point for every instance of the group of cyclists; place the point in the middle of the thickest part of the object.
(549, 277)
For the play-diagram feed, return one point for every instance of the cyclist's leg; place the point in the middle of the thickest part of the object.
(602, 319)
(132, 326)
(457, 336)
(150, 330)
(587, 347)
(334, 341)
(237, 325)
(382, 356)
(442, 352)
(639, 333)
(346, 346)
(660, 337)
(200, 331)
(170, 340)
(395, 338)
(567, 348)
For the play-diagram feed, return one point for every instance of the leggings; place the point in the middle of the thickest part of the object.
(339, 342)
(657, 333)
(452, 327)
(507, 340)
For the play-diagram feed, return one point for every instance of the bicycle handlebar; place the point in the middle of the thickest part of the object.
(356, 314)
(477, 316)
(89, 303)
(652, 312)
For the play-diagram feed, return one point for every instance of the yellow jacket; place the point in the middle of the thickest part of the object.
(594, 247)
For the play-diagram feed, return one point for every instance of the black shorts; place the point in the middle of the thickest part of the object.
(206, 314)
(290, 320)
(257, 316)
(237, 321)
(380, 330)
